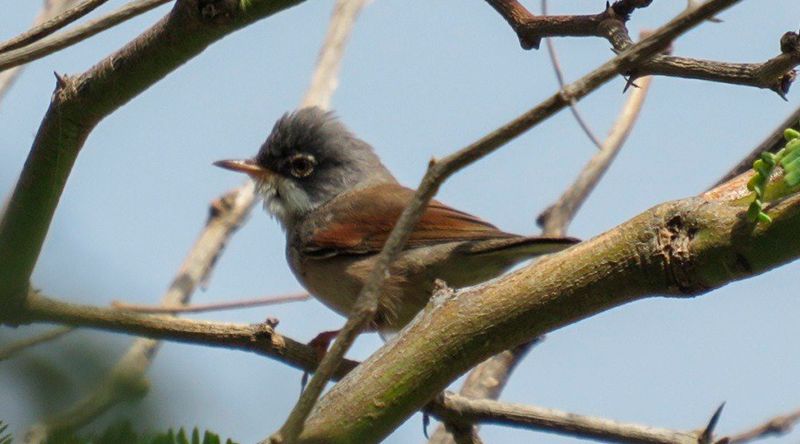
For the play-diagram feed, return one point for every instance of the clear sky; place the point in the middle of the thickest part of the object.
(420, 79)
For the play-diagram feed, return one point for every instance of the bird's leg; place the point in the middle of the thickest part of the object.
(321, 343)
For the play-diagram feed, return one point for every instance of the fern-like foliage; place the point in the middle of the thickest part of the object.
(123, 433)
(5, 438)
(789, 159)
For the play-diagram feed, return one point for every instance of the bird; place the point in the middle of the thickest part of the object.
(337, 203)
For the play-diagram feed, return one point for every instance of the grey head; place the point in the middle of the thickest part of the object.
(309, 158)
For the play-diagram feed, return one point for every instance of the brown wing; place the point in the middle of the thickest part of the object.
(360, 222)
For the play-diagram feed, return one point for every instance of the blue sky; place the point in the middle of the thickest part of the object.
(416, 82)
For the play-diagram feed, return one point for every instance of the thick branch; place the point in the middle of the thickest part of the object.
(681, 248)
(80, 102)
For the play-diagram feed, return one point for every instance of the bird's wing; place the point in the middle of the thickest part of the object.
(360, 221)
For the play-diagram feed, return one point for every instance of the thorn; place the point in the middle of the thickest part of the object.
(629, 82)
(426, 420)
(61, 79)
(708, 433)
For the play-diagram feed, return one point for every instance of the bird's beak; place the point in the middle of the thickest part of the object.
(247, 166)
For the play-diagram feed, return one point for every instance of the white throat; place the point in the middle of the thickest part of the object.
(283, 199)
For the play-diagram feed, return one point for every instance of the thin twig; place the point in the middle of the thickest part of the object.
(488, 411)
(438, 171)
(50, 9)
(213, 306)
(15, 347)
(256, 338)
(81, 32)
(779, 425)
(485, 381)
(556, 218)
(573, 107)
(325, 78)
(50, 26)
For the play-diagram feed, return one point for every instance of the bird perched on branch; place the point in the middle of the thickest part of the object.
(338, 203)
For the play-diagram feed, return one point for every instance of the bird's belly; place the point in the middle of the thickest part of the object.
(328, 280)
(336, 281)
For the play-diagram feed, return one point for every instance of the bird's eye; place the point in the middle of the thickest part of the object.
(302, 165)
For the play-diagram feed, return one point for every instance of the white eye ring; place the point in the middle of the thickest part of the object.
(302, 165)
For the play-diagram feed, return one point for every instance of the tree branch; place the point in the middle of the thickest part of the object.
(213, 306)
(486, 411)
(556, 218)
(551, 51)
(50, 9)
(775, 74)
(51, 25)
(258, 338)
(13, 348)
(81, 102)
(47, 46)
(485, 381)
(779, 425)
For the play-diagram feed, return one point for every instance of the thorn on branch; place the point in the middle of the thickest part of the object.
(61, 80)
(784, 83)
(708, 432)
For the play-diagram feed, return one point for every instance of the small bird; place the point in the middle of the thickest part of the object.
(338, 203)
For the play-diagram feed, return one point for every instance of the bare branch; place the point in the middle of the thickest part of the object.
(779, 425)
(556, 218)
(82, 32)
(214, 306)
(50, 9)
(775, 74)
(51, 25)
(486, 411)
(573, 107)
(15, 347)
(325, 78)
(256, 338)
(485, 381)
